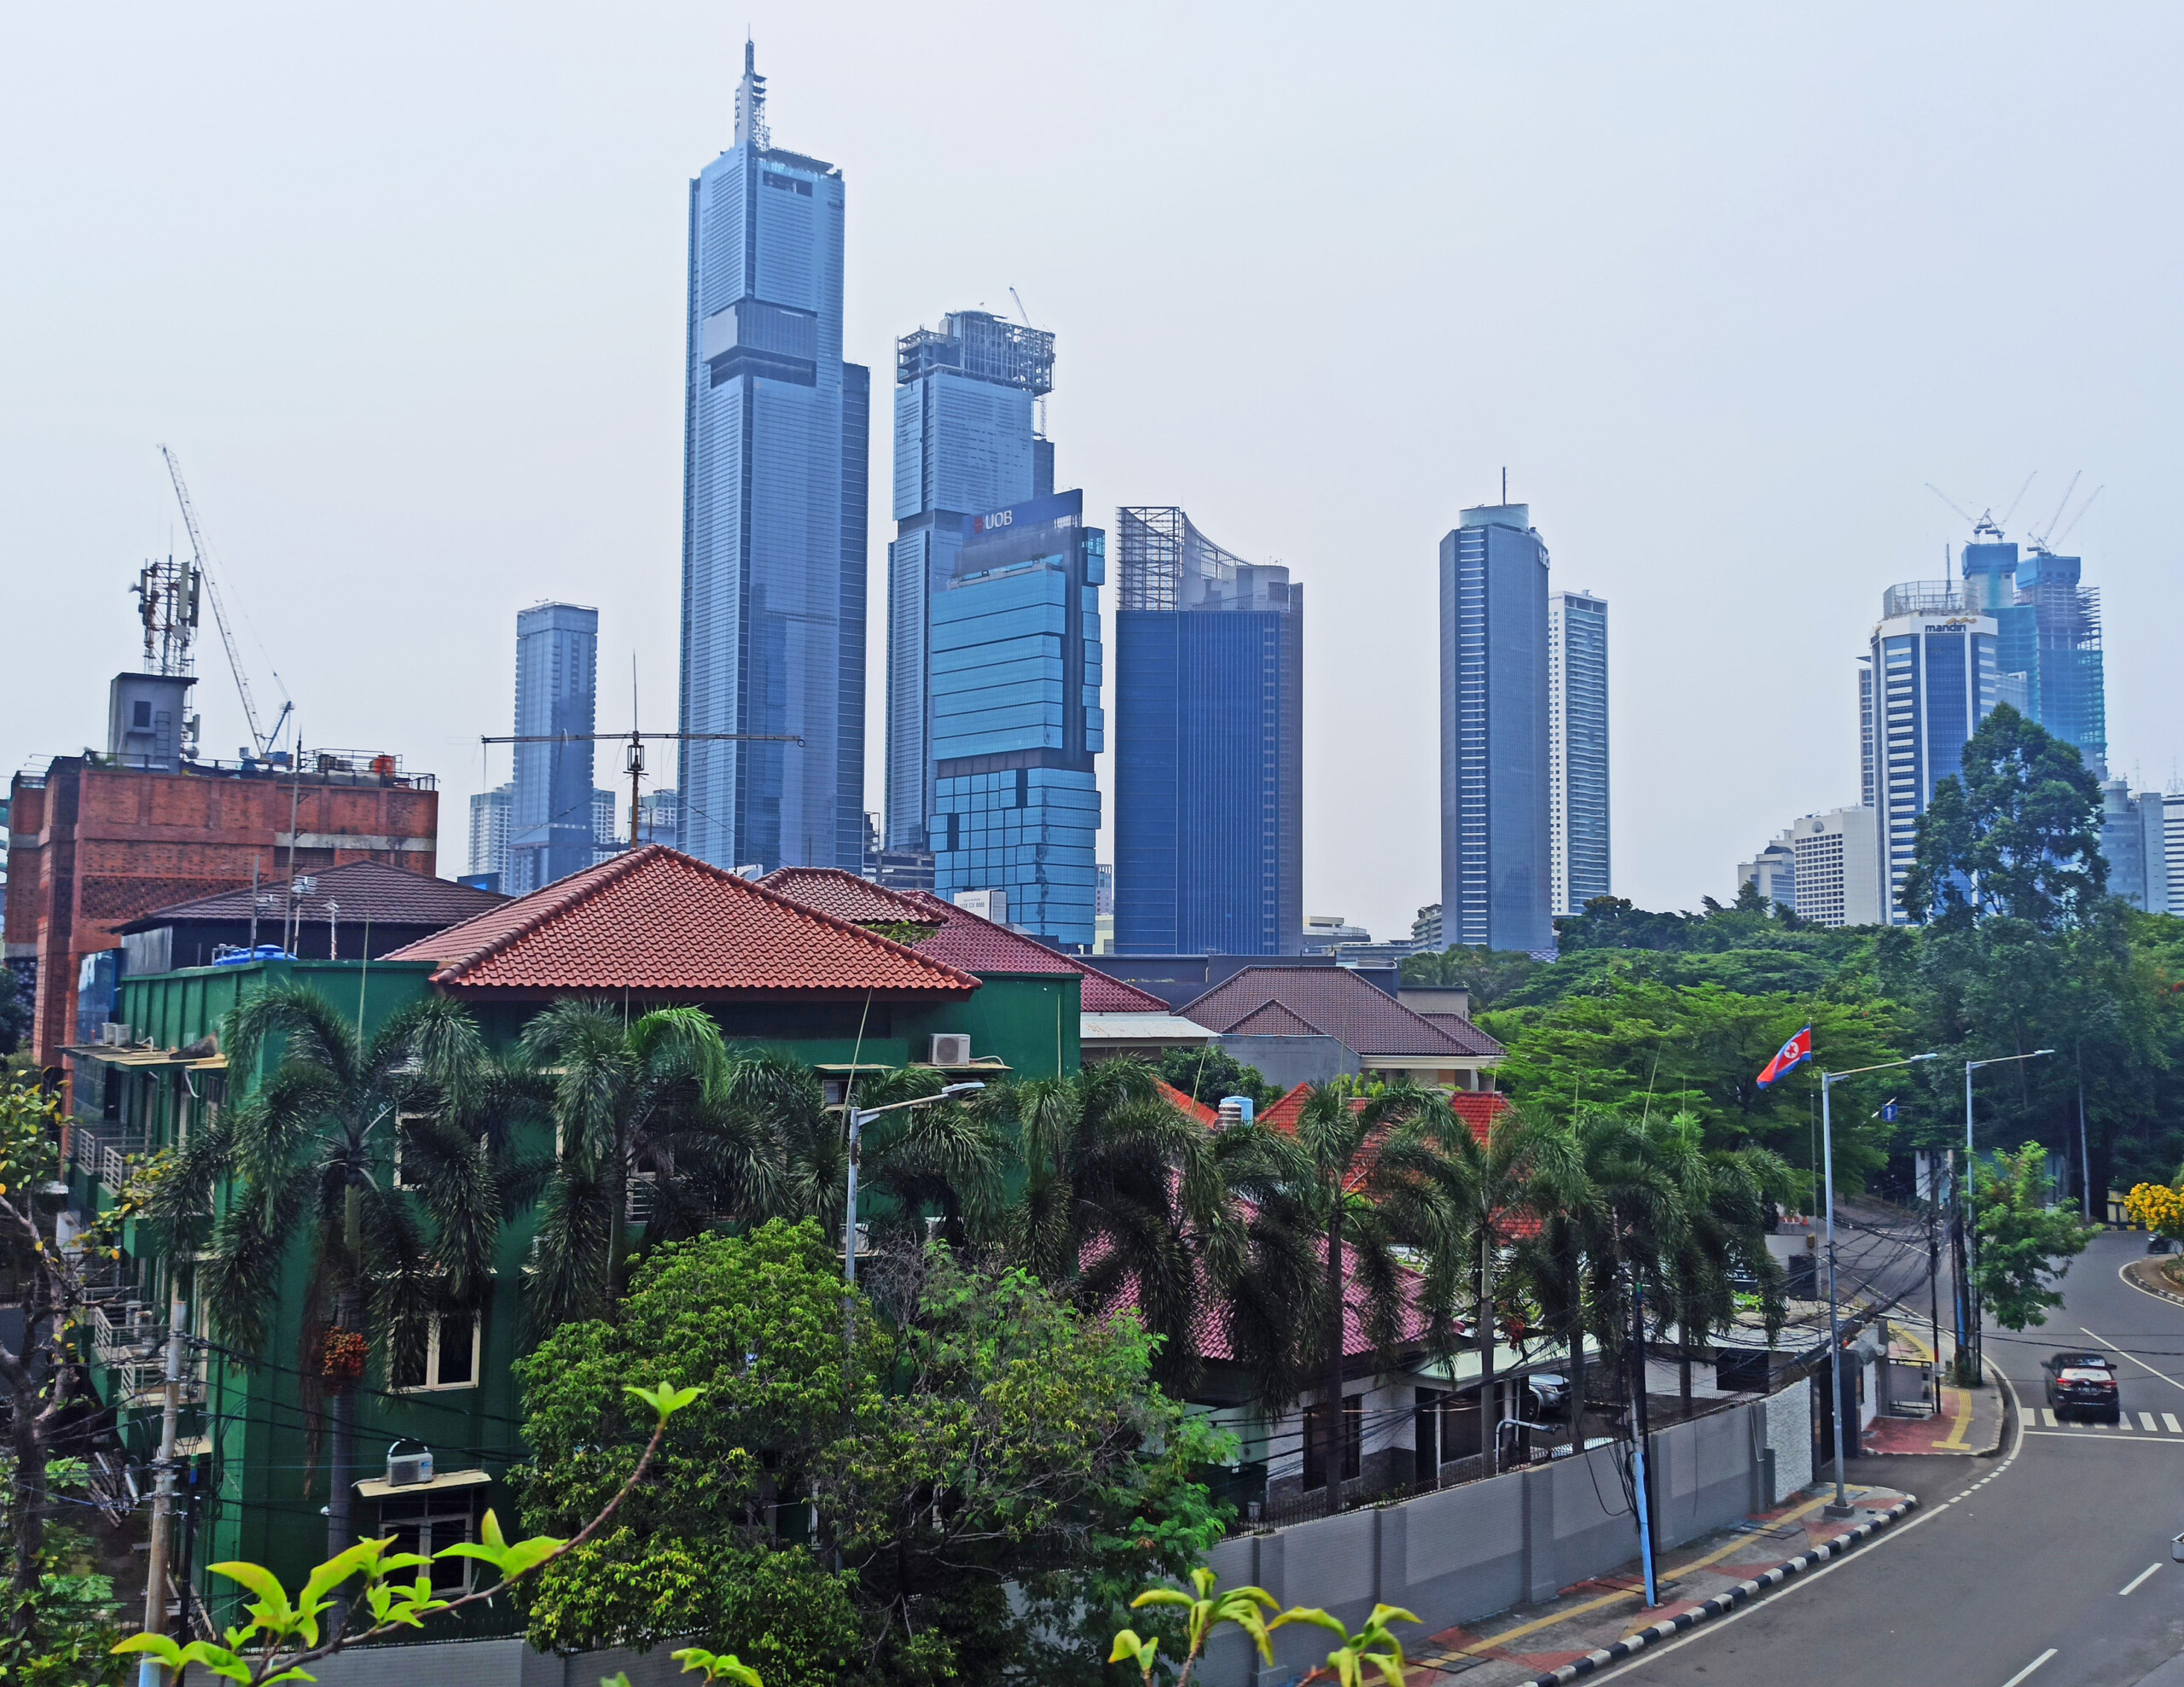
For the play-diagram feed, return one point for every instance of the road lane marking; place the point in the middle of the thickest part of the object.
(2123, 1420)
(2095, 1435)
(2134, 1359)
(2146, 1420)
(1789, 1590)
(2029, 1667)
(2125, 1592)
(2048, 1416)
(2169, 1422)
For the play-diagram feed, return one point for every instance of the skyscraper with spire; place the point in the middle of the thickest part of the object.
(776, 429)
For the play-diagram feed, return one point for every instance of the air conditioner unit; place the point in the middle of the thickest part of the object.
(950, 1048)
(409, 1469)
(115, 1034)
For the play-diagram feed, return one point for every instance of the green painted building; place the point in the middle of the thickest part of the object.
(650, 928)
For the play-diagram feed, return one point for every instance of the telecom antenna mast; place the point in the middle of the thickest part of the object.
(262, 742)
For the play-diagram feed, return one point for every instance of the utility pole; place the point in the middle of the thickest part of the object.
(1966, 1376)
(1933, 1274)
(149, 1672)
(1638, 1427)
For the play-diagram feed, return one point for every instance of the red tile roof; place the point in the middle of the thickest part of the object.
(1176, 1098)
(833, 891)
(360, 890)
(655, 920)
(974, 943)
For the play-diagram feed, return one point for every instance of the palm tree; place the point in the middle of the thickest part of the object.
(1121, 1193)
(1357, 1199)
(383, 1152)
(1491, 1184)
(631, 1100)
(1724, 1195)
(945, 1160)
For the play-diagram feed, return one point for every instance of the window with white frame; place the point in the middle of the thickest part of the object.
(430, 1523)
(450, 1356)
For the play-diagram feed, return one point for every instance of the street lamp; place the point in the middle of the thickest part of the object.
(1971, 1329)
(859, 1117)
(1828, 1080)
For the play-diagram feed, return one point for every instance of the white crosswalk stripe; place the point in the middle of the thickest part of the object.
(2146, 1420)
(2169, 1422)
(2048, 1416)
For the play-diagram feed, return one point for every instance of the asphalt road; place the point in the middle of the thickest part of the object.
(2047, 1567)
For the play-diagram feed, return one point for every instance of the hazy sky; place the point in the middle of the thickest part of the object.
(1721, 286)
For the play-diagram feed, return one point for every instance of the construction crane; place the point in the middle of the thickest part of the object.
(1982, 523)
(261, 742)
(633, 752)
(2044, 544)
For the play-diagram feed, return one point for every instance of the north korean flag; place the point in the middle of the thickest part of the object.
(1794, 1054)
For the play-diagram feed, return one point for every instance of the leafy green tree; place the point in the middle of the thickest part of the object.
(2017, 833)
(1211, 1074)
(310, 1154)
(978, 1434)
(1489, 973)
(2023, 1245)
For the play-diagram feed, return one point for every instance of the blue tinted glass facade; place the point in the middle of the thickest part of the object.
(557, 681)
(1015, 658)
(1209, 808)
(966, 441)
(1495, 854)
(776, 430)
(2072, 685)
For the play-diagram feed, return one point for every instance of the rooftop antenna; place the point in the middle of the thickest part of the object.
(1505, 485)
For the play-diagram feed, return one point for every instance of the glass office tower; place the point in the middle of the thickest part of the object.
(967, 439)
(1576, 749)
(776, 429)
(2048, 663)
(557, 692)
(1209, 718)
(1495, 856)
(1016, 719)
(1934, 680)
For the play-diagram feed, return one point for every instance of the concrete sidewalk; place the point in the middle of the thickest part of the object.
(1597, 1622)
(1970, 1421)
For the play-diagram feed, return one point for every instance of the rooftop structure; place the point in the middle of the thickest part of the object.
(1299, 1024)
(360, 910)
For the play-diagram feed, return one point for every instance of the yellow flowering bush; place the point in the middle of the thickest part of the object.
(2157, 1208)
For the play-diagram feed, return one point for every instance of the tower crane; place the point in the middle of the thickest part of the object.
(261, 742)
(1040, 403)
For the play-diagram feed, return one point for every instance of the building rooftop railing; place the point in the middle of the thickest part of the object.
(320, 767)
(1922, 597)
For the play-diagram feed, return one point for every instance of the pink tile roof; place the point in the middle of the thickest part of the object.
(656, 920)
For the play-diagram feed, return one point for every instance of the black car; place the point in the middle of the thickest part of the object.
(2083, 1381)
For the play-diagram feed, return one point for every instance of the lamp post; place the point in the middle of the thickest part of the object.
(1971, 1375)
(859, 1117)
(1828, 1080)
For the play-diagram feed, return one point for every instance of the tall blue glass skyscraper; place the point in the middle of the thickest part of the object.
(967, 439)
(1208, 720)
(1495, 858)
(2048, 656)
(556, 693)
(1577, 732)
(776, 429)
(1016, 719)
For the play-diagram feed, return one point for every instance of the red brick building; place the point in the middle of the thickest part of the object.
(92, 846)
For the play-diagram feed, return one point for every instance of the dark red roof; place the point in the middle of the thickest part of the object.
(356, 892)
(1274, 1019)
(1338, 1003)
(979, 945)
(833, 891)
(654, 919)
